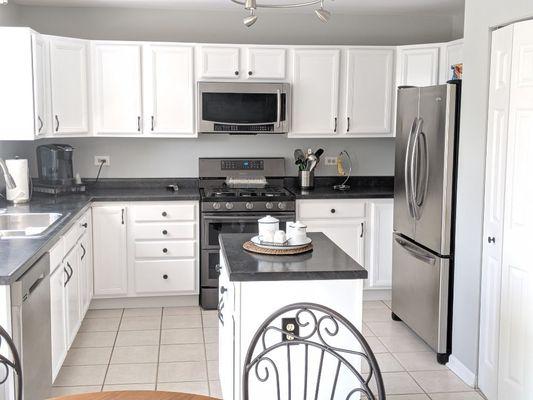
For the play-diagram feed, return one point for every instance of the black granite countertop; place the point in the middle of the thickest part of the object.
(17, 255)
(361, 187)
(326, 262)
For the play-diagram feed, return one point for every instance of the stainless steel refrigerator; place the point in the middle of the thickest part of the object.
(424, 212)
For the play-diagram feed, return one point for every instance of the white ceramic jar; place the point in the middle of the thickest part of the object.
(268, 226)
(296, 232)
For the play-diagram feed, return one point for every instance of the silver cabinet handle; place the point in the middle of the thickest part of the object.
(153, 123)
(335, 129)
(68, 277)
(348, 124)
(138, 124)
(84, 251)
(122, 216)
(41, 124)
(57, 123)
(362, 229)
(278, 110)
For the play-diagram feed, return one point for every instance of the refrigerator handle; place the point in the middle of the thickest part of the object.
(415, 252)
(413, 169)
(421, 197)
(408, 195)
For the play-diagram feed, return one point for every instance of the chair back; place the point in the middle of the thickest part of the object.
(10, 364)
(308, 351)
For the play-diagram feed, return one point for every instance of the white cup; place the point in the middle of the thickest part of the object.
(280, 237)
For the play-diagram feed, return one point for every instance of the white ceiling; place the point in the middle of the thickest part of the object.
(345, 6)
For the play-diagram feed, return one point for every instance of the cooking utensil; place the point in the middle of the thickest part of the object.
(312, 162)
(318, 153)
(299, 159)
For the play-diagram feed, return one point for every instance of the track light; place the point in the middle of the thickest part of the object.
(322, 14)
(251, 19)
(4, 2)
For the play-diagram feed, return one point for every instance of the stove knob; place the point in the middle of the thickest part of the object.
(269, 206)
(282, 205)
(249, 206)
(229, 206)
(216, 206)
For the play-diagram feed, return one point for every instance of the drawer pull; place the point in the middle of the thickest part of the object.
(165, 232)
(165, 250)
(164, 214)
(333, 211)
(165, 276)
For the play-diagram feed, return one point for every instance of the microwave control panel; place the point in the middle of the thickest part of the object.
(243, 165)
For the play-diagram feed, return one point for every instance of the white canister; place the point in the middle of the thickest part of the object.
(18, 169)
(297, 232)
(268, 226)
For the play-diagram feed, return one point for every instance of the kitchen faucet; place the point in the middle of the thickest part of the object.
(10, 183)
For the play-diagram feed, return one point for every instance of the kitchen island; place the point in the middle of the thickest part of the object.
(253, 286)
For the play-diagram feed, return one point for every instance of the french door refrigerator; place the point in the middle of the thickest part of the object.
(424, 211)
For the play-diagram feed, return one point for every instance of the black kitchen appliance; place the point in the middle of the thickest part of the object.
(55, 170)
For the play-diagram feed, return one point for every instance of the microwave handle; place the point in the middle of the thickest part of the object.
(278, 119)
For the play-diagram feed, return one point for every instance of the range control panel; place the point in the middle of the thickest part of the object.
(242, 165)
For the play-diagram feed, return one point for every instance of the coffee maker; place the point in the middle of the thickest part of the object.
(56, 175)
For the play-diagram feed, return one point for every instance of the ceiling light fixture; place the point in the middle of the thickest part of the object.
(252, 5)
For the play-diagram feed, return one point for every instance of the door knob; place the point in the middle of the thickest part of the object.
(491, 239)
(165, 276)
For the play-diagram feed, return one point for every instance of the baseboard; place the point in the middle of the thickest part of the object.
(462, 371)
(144, 302)
(377, 294)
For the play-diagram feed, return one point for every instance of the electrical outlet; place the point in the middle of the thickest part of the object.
(289, 325)
(98, 160)
(331, 161)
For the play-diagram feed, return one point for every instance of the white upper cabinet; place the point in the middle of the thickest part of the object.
(68, 66)
(418, 65)
(168, 90)
(315, 92)
(220, 62)
(451, 54)
(41, 83)
(369, 91)
(117, 88)
(266, 63)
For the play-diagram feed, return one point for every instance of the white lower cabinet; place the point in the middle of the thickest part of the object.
(146, 249)
(360, 227)
(70, 287)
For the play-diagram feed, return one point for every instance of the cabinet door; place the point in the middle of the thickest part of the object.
(226, 337)
(72, 296)
(348, 235)
(369, 89)
(220, 62)
(451, 54)
(266, 63)
(57, 318)
(169, 90)
(379, 244)
(110, 252)
(41, 85)
(117, 88)
(68, 64)
(418, 66)
(315, 92)
(84, 259)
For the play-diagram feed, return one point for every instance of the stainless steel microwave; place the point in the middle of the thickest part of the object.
(243, 107)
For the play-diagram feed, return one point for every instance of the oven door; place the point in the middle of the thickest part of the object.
(215, 224)
(243, 108)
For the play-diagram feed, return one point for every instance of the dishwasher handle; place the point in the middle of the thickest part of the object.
(35, 284)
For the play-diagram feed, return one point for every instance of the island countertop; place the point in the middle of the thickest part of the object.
(327, 261)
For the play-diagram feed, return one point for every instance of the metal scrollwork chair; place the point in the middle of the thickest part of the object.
(8, 364)
(310, 352)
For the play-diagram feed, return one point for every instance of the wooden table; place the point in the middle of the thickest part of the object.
(134, 395)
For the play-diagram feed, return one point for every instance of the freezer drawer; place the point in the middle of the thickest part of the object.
(420, 282)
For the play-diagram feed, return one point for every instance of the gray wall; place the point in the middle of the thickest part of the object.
(9, 15)
(480, 17)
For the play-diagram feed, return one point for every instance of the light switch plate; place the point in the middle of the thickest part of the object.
(331, 161)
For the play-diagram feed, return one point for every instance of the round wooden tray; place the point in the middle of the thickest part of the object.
(249, 246)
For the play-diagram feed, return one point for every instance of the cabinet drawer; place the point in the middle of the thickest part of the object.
(326, 209)
(165, 276)
(145, 231)
(56, 254)
(71, 237)
(165, 249)
(164, 212)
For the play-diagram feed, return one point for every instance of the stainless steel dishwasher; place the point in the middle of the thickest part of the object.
(30, 300)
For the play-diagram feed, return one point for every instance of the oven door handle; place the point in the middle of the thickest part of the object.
(238, 218)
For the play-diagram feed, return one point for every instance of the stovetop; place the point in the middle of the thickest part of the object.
(245, 193)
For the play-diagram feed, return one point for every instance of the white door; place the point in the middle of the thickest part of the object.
(220, 62)
(169, 90)
(315, 95)
(495, 166)
(41, 85)
(266, 63)
(348, 235)
(72, 296)
(369, 91)
(379, 244)
(68, 66)
(117, 88)
(451, 54)
(58, 318)
(516, 325)
(110, 251)
(418, 65)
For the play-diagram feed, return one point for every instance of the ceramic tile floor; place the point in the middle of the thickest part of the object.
(175, 349)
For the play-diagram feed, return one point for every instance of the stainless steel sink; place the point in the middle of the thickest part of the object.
(26, 225)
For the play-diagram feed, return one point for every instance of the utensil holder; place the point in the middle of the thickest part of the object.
(306, 179)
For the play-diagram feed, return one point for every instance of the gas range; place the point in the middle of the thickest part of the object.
(269, 198)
